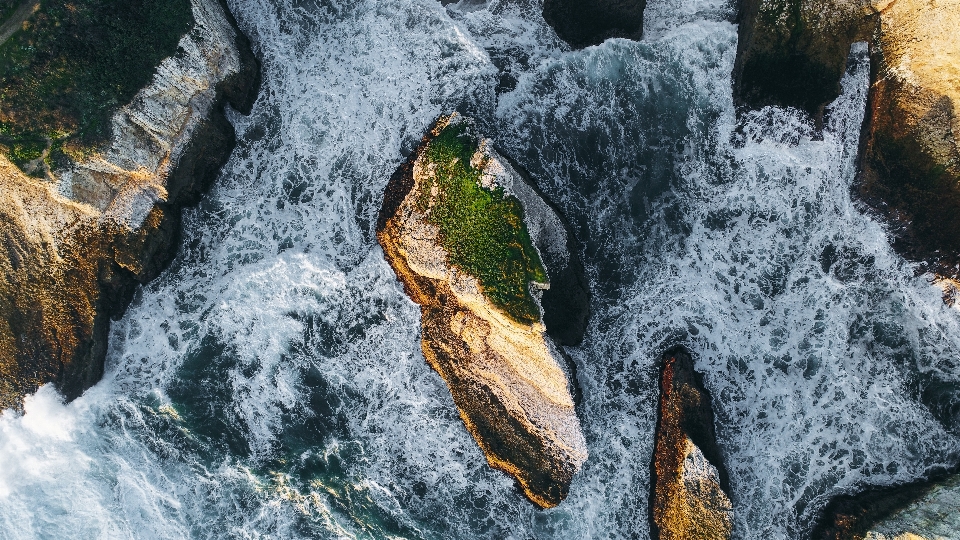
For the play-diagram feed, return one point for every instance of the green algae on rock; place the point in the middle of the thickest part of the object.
(79, 240)
(481, 227)
(504, 372)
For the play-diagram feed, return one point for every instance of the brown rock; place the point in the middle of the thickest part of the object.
(911, 160)
(793, 53)
(76, 244)
(688, 501)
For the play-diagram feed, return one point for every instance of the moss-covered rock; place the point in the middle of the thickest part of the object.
(474, 245)
(75, 242)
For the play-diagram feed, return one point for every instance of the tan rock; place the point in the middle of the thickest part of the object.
(688, 499)
(793, 52)
(505, 375)
(74, 245)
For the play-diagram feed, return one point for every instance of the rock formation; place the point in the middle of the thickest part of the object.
(688, 499)
(793, 53)
(589, 22)
(74, 245)
(924, 511)
(468, 238)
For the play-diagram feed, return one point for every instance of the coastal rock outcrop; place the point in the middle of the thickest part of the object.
(689, 483)
(77, 238)
(471, 243)
(925, 511)
(589, 22)
(793, 54)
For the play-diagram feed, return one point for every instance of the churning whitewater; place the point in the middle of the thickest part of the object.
(271, 385)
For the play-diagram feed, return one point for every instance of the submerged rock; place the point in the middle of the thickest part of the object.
(589, 22)
(469, 240)
(926, 511)
(688, 499)
(74, 245)
(793, 54)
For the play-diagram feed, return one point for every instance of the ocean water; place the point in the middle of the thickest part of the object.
(270, 383)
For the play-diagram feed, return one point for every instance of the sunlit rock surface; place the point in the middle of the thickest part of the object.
(911, 164)
(74, 245)
(505, 374)
(688, 499)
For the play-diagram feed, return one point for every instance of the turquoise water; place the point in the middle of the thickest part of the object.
(270, 384)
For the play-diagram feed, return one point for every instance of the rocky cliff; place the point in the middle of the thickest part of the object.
(468, 238)
(688, 499)
(793, 53)
(78, 239)
(911, 158)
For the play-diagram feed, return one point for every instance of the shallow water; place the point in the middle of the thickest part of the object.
(270, 384)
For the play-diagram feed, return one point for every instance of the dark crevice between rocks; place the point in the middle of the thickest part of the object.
(783, 60)
(582, 23)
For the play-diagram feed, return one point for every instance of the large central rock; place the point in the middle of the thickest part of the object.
(468, 238)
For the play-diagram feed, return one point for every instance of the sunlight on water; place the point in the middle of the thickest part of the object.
(270, 384)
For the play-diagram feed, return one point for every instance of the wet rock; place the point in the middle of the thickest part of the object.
(469, 239)
(76, 244)
(589, 22)
(924, 511)
(793, 54)
(689, 483)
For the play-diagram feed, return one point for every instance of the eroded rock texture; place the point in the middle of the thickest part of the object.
(792, 53)
(589, 22)
(73, 246)
(925, 511)
(688, 500)
(502, 369)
